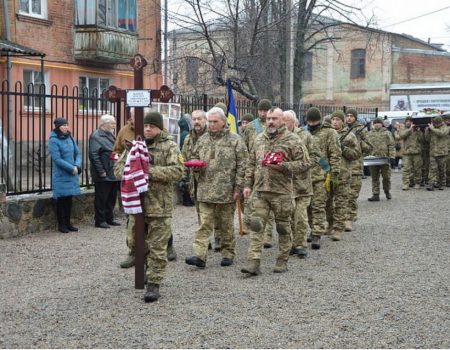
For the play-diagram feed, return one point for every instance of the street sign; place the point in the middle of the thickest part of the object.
(138, 98)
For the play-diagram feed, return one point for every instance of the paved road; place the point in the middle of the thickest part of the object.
(385, 285)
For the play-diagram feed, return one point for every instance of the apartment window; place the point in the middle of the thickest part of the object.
(307, 66)
(358, 69)
(33, 90)
(118, 14)
(36, 8)
(192, 64)
(91, 89)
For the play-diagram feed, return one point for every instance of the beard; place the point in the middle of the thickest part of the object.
(272, 132)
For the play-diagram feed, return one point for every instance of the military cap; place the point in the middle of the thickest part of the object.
(248, 117)
(154, 118)
(222, 106)
(264, 105)
(352, 111)
(313, 114)
(408, 118)
(377, 121)
(438, 120)
(338, 114)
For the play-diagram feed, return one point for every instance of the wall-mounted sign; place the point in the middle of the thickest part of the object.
(138, 98)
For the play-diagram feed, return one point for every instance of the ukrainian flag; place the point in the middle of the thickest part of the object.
(232, 117)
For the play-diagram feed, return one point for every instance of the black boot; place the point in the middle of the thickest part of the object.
(374, 198)
(388, 194)
(152, 293)
(60, 215)
(68, 211)
(430, 187)
(315, 242)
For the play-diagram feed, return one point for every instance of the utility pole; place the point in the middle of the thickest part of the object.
(289, 80)
(166, 41)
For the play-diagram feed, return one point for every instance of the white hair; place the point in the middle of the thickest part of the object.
(290, 114)
(106, 118)
(219, 111)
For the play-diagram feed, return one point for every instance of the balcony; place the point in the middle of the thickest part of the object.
(104, 45)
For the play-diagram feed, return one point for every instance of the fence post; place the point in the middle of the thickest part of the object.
(205, 102)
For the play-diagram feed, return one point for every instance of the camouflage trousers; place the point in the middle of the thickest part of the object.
(385, 171)
(220, 215)
(216, 228)
(268, 228)
(299, 222)
(131, 241)
(425, 164)
(282, 206)
(337, 206)
(448, 170)
(355, 189)
(412, 169)
(437, 170)
(316, 211)
(158, 234)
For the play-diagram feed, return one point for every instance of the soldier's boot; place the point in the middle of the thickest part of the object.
(195, 261)
(406, 187)
(348, 226)
(128, 262)
(430, 187)
(440, 187)
(315, 242)
(375, 198)
(152, 293)
(388, 194)
(280, 266)
(171, 253)
(329, 231)
(301, 253)
(337, 236)
(252, 267)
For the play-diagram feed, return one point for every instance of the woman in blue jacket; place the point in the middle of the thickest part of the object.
(66, 167)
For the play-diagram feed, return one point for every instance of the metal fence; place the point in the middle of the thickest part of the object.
(27, 114)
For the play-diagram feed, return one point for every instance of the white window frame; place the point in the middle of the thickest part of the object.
(80, 89)
(47, 90)
(43, 15)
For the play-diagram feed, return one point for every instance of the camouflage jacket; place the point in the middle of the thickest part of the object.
(226, 156)
(438, 140)
(188, 149)
(351, 153)
(252, 130)
(382, 143)
(265, 179)
(302, 180)
(167, 168)
(326, 138)
(363, 137)
(412, 140)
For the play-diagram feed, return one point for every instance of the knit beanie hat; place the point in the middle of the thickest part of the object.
(60, 122)
(377, 121)
(338, 114)
(248, 117)
(408, 119)
(264, 105)
(222, 106)
(438, 120)
(352, 111)
(154, 118)
(313, 114)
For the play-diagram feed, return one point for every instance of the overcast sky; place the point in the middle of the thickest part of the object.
(434, 26)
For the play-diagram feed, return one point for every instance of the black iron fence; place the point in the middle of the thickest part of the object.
(27, 114)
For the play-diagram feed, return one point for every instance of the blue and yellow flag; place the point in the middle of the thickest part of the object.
(232, 117)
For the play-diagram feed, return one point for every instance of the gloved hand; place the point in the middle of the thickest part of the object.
(79, 170)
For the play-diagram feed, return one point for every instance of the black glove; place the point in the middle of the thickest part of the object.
(79, 170)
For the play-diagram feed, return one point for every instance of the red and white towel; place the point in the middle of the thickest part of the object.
(135, 178)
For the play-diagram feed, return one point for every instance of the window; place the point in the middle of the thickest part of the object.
(192, 64)
(119, 14)
(307, 66)
(32, 87)
(358, 69)
(91, 89)
(36, 8)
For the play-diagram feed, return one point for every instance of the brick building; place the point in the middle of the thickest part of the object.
(365, 67)
(86, 43)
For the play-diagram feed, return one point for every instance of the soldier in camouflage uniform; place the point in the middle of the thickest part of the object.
(271, 188)
(362, 135)
(447, 122)
(253, 129)
(425, 160)
(382, 143)
(326, 138)
(219, 186)
(165, 169)
(412, 158)
(437, 134)
(339, 198)
(303, 190)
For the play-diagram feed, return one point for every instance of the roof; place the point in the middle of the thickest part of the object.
(420, 86)
(11, 47)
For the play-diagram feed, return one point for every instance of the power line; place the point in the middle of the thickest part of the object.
(417, 17)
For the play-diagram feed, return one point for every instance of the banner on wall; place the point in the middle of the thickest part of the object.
(419, 102)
